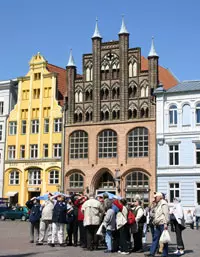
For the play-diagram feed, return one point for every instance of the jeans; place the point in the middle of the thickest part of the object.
(197, 222)
(109, 239)
(157, 233)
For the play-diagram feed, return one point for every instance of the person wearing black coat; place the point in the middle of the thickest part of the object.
(34, 217)
(58, 220)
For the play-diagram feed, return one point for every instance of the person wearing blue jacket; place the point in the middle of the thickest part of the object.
(35, 213)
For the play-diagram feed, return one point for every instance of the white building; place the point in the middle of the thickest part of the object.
(8, 98)
(178, 142)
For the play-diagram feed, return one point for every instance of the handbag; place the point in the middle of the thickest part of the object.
(165, 237)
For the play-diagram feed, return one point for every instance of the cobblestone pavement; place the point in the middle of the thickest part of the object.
(14, 241)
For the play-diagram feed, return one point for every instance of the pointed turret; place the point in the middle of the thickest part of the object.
(96, 31)
(71, 62)
(152, 52)
(123, 29)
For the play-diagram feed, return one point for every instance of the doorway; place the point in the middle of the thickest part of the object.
(33, 194)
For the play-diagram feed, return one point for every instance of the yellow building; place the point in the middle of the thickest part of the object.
(34, 133)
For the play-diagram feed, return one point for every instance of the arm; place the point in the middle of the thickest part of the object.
(166, 214)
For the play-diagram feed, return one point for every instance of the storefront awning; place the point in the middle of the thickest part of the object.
(11, 193)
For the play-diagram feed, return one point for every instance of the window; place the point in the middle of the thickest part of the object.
(33, 151)
(173, 115)
(23, 127)
(12, 128)
(79, 145)
(1, 132)
(22, 151)
(88, 95)
(88, 73)
(35, 112)
(107, 144)
(14, 178)
(54, 177)
(57, 151)
(46, 125)
(144, 91)
(46, 111)
(1, 108)
(24, 113)
(45, 150)
(37, 76)
(198, 153)
(35, 126)
(78, 97)
(34, 177)
(11, 152)
(198, 193)
(173, 154)
(47, 92)
(132, 69)
(174, 191)
(25, 94)
(138, 142)
(186, 115)
(58, 125)
(36, 93)
(76, 180)
(198, 113)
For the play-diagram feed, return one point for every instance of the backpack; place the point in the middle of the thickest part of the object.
(130, 218)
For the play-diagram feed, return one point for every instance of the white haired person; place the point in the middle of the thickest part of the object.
(160, 221)
(179, 223)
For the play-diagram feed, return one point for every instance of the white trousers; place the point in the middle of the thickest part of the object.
(58, 232)
(45, 227)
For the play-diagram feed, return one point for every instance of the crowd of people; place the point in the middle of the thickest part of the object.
(92, 222)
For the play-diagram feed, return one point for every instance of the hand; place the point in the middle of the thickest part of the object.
(33, 198)
(165, 226)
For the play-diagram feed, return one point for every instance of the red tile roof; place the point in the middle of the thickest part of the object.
(61, 81)
(165, 76)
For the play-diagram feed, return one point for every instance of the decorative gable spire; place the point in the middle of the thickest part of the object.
(96, 31)
(71, 62)
(152, 52)
(123, 29)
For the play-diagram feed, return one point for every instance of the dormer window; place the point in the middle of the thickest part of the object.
(37, 76)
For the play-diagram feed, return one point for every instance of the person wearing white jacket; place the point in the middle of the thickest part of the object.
(179, 223)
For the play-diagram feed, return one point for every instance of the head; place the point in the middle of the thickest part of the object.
(108, 205)
(60, 198)
(123, 201)
(158, 196)
(105, 196)
(137, 202)
(91, 195)
(189, 211)
(49, 195)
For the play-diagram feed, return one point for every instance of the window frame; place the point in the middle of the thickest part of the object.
(15, 178)
(107, 144)
(35, 126)
(174, 189)
(11, 152)
(57, 124)
(1, 131)
(173, 110)
(34, 150)
(1, 107)
(46, 124)
(197, 153)
(23, 126)
(12, 127)
(22, 150)
(78, 145)
(54, 179)
(32, 178)
(75, 181)
(197, 114)
(138, 146)
(173, 152)
(57, 150)
(44, 151)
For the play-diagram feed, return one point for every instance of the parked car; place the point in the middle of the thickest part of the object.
(21, 212)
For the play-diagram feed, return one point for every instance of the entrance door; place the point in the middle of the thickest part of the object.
(33, 194)
(106, 183)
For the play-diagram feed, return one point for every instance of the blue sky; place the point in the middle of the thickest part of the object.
(52, 27)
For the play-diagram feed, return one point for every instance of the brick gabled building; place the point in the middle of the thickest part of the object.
(110, 120)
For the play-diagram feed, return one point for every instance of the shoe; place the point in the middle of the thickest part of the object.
(31, 241)
(107, 251)
(69, 244)
(119, 251)
(125, 253)
(75, 245)
(52, 245)
(182, 252)
(62, 245)
(149, 255)
(176, 252)
(39, 243)
(139, 251)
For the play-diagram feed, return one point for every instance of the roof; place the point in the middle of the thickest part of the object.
(61, 81)
(185, 86)
(165, 76)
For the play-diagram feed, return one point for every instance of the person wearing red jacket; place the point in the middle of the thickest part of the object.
(79, 202)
